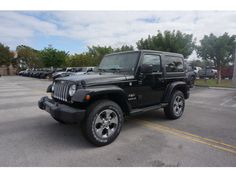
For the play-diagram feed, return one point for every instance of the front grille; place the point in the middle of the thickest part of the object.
(61, 90)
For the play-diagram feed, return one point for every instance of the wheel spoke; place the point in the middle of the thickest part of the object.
(99, 131)
(177, 99)
(114, 120)
(180, 100)
(181, 104)
(108, 113)
(175, 103)
(98, 120)
(110, 131)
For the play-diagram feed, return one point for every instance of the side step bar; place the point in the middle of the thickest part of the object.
(146, 109)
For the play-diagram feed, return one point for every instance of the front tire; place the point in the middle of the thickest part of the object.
(175, 108)
(103, 122)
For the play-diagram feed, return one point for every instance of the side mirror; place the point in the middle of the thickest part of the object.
(146, 69)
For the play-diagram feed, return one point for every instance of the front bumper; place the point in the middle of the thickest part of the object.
(60, 111)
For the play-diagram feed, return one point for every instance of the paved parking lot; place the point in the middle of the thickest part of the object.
(204, 136)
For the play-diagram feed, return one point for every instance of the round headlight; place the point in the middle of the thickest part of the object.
(53, 85)
(72, 90)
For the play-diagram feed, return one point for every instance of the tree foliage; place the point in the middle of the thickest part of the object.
(52, 57)
(94, 55)
(5, 55)
(201, 63)
(28, 57)
(98, 52)
(124, 48)
(83, 59)
(217, 49)
(169, 41)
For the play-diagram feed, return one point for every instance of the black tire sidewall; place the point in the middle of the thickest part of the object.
(169, 111)
(91, 118)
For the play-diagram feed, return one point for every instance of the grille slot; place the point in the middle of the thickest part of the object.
(61, 89)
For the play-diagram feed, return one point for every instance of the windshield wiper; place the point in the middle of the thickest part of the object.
(100, 69)
(114, 69)
(109, 69)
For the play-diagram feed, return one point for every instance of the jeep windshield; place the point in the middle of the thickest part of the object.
(120, 62)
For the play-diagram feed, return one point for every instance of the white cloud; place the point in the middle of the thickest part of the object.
(111, 27)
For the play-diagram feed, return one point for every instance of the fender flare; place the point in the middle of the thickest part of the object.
(173, 86)
(49, 89)
(97, 91)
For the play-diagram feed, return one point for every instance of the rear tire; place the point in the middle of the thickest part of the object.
(176, 105)
(103, 122)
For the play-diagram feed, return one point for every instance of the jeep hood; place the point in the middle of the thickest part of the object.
(97, 78)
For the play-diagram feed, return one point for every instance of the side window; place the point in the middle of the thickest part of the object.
(174, 64)
(153, 60)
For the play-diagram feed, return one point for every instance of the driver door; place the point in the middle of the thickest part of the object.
(151, 84)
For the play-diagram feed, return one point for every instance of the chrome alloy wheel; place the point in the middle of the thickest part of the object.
(178, 105)
(105, 123)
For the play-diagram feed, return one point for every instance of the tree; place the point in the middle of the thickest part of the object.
(5, 56)
(98, 52)
(169, 41)
(28, 57)
(94, 55)
(80, 60)
(52, 57)
(124, 48)
(217, 49)
(201, 63)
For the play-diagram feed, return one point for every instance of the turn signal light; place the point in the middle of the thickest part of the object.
(87, 97)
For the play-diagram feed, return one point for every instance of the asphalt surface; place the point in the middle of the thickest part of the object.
(204, 136)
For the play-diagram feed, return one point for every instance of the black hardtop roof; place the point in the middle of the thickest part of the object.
(149, 51)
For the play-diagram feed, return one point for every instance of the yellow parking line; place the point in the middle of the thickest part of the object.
(189, 136)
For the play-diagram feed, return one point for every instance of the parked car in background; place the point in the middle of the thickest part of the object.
(48, 73)
(227, 72)
(208, 73)
(21, 72)
(196, 70)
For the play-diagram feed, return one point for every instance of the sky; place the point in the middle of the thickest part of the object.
(73, 31)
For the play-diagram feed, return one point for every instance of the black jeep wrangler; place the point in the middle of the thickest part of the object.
(125, 83)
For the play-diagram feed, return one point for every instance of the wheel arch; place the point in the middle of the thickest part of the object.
(112, 93)
(181, 86)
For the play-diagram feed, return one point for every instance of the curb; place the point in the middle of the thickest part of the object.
(223, 88)
(217, 88)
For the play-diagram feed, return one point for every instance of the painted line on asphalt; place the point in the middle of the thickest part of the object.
(210, 142)
(227, 103)
(14, 90)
